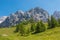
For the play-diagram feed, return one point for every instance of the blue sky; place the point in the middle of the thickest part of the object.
(10, 6)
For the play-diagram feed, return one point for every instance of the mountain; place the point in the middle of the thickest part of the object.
(56, 14)
(36, 13)
(2, 19)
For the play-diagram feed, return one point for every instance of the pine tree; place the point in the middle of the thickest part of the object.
(49, 23)
(54, 22)
(33, 26)
(42, 27)
(21, 29)
(38, 27)
(59, 21)
(17, 28)
(24, 30)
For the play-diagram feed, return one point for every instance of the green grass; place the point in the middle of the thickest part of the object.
(51, 34)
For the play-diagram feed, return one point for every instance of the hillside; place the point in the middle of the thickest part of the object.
(50, 34)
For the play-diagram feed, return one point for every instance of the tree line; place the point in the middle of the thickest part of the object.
(32, 27)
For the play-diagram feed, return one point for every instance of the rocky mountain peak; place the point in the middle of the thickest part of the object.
(36, 13)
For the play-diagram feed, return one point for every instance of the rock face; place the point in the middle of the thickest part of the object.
(56, 14)
(13, 19)
(36, 13)
(2, 19)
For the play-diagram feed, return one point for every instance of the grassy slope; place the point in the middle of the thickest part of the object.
(51, 34)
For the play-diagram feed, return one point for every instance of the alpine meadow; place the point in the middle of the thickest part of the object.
(29, 20)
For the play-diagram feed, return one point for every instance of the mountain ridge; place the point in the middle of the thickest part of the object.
(36, 13)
